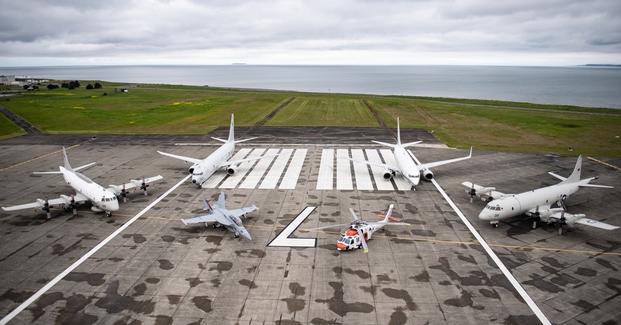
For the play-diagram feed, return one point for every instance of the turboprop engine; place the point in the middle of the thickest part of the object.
(389, 174)
(427, 175)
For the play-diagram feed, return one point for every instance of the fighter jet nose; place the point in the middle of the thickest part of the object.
(340, 246)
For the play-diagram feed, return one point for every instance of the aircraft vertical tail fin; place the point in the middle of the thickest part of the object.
(221, 201)
(66, 160)
(575, 175)
(232, 129)
(398, 132)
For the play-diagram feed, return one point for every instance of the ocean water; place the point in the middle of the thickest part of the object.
(583, 86)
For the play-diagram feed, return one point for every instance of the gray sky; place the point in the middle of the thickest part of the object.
(508, 32)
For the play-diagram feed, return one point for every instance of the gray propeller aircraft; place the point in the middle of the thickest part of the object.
(537, 204)
(86, 190)
(407, 164)
(202, 169)
(218, 215)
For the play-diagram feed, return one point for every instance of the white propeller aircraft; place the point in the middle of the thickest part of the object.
(408, 165)
(102, 199)
(360, 231)
(537, 203)
(202, 169)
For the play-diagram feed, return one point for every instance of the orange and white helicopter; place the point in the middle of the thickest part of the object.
(360, 231)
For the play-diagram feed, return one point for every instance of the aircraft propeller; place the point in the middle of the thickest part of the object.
(536, 217)
(46, 208)
(472, 193)
(73, 206)
(144, 186)
(562, 222)
(124, 193)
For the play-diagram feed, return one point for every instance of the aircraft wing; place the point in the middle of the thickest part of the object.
(444, 162)
(184, 158)
(235, 162)
(583, 220)
(484, 191)
(240, 212)
(385, 166)
(133, 183)
(63, 200)
(208, 218)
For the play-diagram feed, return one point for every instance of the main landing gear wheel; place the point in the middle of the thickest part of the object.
(108, 214)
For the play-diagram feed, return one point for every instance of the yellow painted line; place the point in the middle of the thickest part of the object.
(39, 157)
(604, 163)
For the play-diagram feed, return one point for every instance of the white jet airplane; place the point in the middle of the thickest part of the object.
(537, 203)
(407, 165)
(102, 199)
(202, 169)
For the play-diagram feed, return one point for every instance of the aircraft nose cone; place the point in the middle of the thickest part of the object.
(246, 235)
(340, 246)
(484, 215)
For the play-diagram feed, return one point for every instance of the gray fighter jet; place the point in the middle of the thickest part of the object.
(219, 215)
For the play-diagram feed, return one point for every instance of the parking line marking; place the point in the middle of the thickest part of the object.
(38, 157)
(389, 158)
(77, 263)
(242, 169)
(290, 180)
(273, 175)
(516, 284)
(343, 170)
(378, 173)
(217, 177)
(324, 180)
(254, 177)
(363, 179)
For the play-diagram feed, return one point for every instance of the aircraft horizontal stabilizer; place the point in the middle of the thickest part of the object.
(595, 185)
(244, 140)
(409, 144)
(384, 143)
(558, 176)
(47, 173)
(218, 139)
(77, 169)
(444, 162)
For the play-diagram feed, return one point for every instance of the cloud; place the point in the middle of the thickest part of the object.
(309, 31)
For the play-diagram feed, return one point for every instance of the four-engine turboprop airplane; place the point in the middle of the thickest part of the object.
(407, 165)
(360, 231)
(102, 199)
(537, 203)
(219, 215)
(202, 169)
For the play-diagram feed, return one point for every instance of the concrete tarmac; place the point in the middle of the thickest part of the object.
(159, 271)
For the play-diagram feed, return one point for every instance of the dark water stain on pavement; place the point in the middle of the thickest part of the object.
(360, 273)
(173, 299)
(163, 320)
(401, 294)
(138, 238)
(221, 266)
(93, 279)
(140, 289)
(115, 303)
(168, 238)
(165, 264)
(398, 317)
(194, 282)
(203, 303)
(464, 300)
(586, 271)
(250, 253)
(337, 305)
(248, 283)
(421, 277)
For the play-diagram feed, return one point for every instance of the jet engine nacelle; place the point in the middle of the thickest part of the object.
(191, 169)
(230, 171)
(427, 175)
(388, 175)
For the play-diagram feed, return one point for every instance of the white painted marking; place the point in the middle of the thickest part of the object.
(324, 180)
(219, 175)
(90, 253)
(293, 172)
(283, 240)
(363, 180)
(389, 158)
(273, 175)
(529, 301)
(254, 176)
(242, 169)
(378, 172)
(343, 170)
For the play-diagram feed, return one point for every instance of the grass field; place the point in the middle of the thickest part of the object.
(145, 109)
(326, 110)
(8, 129)
(167, 109)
